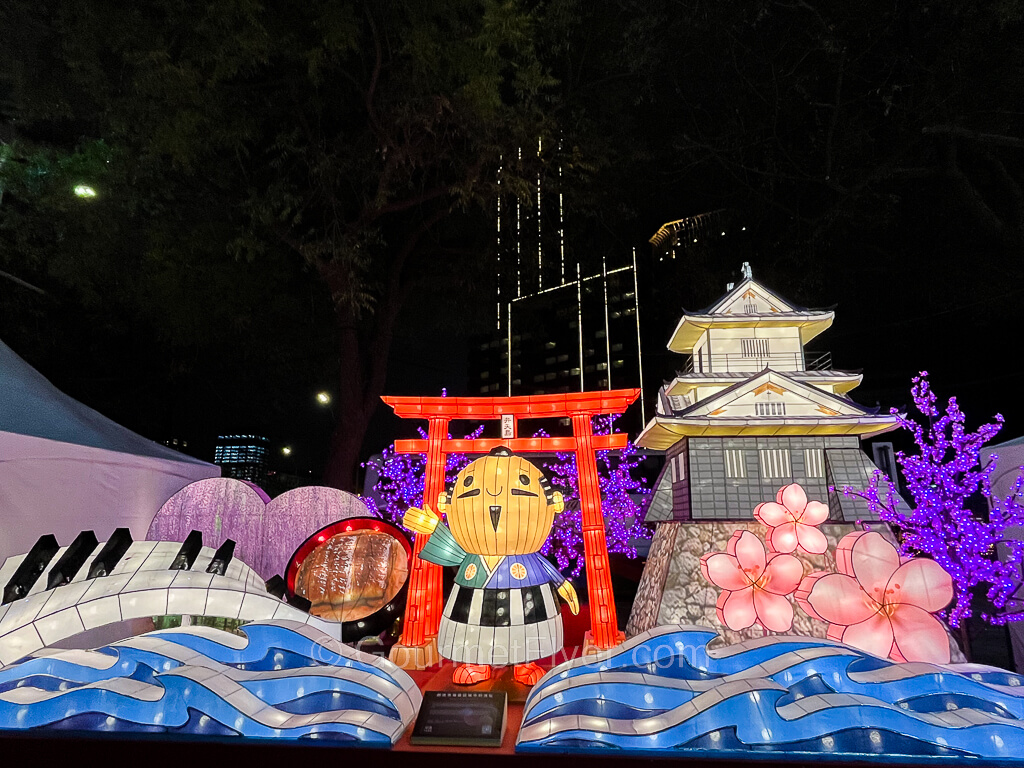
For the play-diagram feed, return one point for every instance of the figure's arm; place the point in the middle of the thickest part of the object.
(442, 549)
(568, 593)
(565, 588)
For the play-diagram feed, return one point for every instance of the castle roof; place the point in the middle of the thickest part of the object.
(741, 308)
(734, 412)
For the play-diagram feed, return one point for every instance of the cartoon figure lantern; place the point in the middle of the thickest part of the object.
(503, 608)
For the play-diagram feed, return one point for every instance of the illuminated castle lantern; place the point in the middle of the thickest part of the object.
(751, 412)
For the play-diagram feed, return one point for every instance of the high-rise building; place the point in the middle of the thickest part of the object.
(561, 323)
(243, 457)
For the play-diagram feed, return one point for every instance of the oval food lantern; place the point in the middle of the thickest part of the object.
(355, 572)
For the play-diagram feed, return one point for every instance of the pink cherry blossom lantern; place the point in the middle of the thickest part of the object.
(880, 603)
(754, 583)
(793, 521)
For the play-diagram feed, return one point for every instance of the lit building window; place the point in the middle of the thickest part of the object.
(678, 468)
(754, 347)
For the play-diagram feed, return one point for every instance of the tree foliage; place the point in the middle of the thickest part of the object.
(346, 136)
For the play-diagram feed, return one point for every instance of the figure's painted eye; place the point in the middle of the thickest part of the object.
(524, 479)
(468, 481)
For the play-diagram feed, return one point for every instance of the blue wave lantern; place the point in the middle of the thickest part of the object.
(283, 679)
(671, 690)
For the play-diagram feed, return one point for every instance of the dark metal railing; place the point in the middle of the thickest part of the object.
(739, 362)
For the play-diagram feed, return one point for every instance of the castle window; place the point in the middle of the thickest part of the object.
(754, 347)
(678, 467)
(770, 409)
(775, 463)
(735, 466)
(814, 462)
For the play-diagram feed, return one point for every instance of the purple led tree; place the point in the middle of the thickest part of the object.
(942, 479)
(401, 478)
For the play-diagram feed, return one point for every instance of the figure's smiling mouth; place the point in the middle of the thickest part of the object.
(498, 493)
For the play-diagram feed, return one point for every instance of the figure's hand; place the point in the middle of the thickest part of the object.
(568, 593)
(420, 520)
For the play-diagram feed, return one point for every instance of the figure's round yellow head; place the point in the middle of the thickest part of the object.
(501, 504)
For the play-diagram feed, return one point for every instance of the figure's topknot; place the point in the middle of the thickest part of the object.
(500, 450)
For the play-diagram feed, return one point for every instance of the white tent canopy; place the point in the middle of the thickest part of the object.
(65, 468)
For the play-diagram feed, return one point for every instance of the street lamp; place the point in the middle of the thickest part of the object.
(287, 451)
(84, 191)
(324, 398)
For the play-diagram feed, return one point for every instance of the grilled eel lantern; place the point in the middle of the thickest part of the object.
(503, 609)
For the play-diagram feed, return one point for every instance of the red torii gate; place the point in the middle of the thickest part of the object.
(418, 646)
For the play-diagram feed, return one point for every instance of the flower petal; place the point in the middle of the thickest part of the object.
(749, 550)
(835, 632)
(839, 599)
(805, 588)
(783, 574)
(811, 540)
(738, 610)
(873, 635)
(723, 571)
(772, 514)
(869, 558)
(921, 582)
(919, 635)
(720, 605)
(774, 612)
(793, 498)
(783, 538)
(815, 513)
